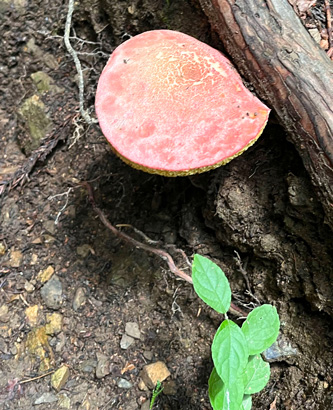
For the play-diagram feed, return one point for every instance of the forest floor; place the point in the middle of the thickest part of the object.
(76, 301)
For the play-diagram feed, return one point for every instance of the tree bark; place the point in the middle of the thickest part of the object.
(273, 50)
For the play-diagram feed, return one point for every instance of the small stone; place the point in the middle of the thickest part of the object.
(36, 121)
(79, 298)
(280, 350)
(46, 398)
(34, 259)
(46, 274)
(61, 341)
(15, 349)
(103, 365)
(15, 259)
(48, 238)
(142, 386)
(51, 293)
(44, 82)
(154, 372)
(54, 323)
(2, 249)
(3, 346)
(84, 250)
(50, 226)
(148, 354)
(124, 384)
(4, 317)
(59, 378)
(31, 314)
(29, 287)
(48, 58)
(145, 405)
(170, 388)
(37, 345)
(51, 61)
(64, 401)
(132, 329)
(126, 342)
(88, 366)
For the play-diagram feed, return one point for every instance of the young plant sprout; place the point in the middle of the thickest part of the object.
(172, 105)
(239, 370)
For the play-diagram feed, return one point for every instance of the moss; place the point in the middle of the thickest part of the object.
(44, 82)
(36, 123)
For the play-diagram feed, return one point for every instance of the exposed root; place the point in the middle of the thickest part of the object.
(235, 310)
(85, 114)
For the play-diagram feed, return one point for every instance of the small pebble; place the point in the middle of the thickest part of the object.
(79, 298)
(59, 378)
(126, 342)
(142, 386)
(88, 366)
(29, 287)
(46, 398)
(145, 405)
(51, 293)
(154, 372)
(103, 365)
(15, 259)
(147, 354)
(124, 384)
(132, 329)
(280, 350)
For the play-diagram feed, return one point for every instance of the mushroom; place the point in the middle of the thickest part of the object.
(172, 105)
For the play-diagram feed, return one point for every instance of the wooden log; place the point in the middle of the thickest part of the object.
(272, 49)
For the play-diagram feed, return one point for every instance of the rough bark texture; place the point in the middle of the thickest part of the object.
(273, 50)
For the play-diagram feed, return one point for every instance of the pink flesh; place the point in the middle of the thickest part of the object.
(166, 101)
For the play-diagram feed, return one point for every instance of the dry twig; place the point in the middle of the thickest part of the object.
(36, 378)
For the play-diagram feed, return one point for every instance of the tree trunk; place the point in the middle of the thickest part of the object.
(272, 49)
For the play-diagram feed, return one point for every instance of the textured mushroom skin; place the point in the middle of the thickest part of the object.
(172, 105)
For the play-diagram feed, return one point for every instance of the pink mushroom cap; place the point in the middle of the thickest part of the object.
(172, 105)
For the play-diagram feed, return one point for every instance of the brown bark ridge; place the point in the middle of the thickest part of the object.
(273, 50)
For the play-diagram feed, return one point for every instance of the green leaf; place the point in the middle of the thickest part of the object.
(256, 375)
(229, 352)
(216, 390)
(247, 402)
(223, 397)
(211, 284)
(261, 328)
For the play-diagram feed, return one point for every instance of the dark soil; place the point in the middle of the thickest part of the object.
(258, 215)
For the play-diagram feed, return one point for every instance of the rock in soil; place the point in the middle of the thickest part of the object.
(46, 398)
(132, 329)
(126, 341)
(79, 298)
(51, 293)
(103, 365)
(124, 384)
(59, 378)
(154, 372)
